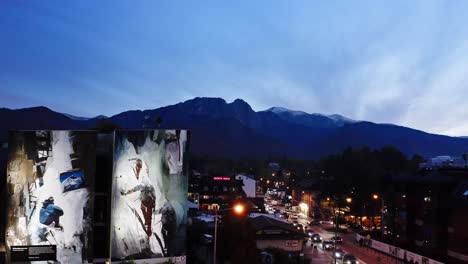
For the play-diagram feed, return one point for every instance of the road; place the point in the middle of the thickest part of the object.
(318, 255)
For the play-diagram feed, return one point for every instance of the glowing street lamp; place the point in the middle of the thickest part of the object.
(375, 196)
(349, 200)
(239, 209)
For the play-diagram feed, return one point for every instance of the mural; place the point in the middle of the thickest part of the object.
(49, 183)
(149, 194)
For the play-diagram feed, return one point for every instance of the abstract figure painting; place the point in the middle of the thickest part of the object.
(149, 194)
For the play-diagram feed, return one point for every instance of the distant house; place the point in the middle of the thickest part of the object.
(445, 162)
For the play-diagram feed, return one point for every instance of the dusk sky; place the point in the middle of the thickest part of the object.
(402, 62)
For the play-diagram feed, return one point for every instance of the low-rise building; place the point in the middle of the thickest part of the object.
(271, 233)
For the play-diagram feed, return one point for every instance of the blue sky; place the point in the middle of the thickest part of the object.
(402, 62)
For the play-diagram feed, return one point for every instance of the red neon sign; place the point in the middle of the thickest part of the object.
(221, 178)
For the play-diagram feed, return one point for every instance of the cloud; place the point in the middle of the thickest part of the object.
(394, 62)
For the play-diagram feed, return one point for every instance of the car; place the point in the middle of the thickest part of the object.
(295, 223)
(207, 239)
(310, 232)
(316, 238)
(300, 227)
(349, 259)
(355, 226)
(338, 254)
(315, 222)
(337, 240)
(327, 245)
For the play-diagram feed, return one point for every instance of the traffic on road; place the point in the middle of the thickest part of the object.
(321, 245)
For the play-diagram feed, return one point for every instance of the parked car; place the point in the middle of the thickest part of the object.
(315, 222)
(355, 226)
(327, 245)
(337, 240)
(300, 227)
(207, 239)
(349, 259)
(316, 238)
(339, 253)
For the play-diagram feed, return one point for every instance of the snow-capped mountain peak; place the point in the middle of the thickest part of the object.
(278, 110)
(341, 119)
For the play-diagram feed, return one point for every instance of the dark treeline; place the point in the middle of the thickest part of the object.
(350, 167)
(365, 168)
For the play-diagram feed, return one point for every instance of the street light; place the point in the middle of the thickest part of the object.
(376, 197)
(238, 209)
(349, 200)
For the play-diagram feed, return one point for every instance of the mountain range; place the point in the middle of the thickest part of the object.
(234, 129)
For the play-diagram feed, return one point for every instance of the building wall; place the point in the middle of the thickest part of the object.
(458, 232)
(307, 197)
(287, 245)
(249, 185)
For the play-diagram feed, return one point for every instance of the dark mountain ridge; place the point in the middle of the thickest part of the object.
(234, 129)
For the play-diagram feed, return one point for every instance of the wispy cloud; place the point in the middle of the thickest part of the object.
(395, 62)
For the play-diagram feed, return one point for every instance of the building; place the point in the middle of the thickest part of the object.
(304, 196)
(446, 162)
(271, 233)
(249, 185)
(457, 240)
(216, 191)
(427, 213)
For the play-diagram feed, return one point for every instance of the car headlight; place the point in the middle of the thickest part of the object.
(337, 255)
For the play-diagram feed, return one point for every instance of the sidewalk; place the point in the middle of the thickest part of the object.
(369, 255)
(365, 254)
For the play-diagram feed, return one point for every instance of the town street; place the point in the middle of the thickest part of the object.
(350, 246)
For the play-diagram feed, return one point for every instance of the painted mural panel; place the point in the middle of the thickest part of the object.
(49, 182)
(149, 194)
